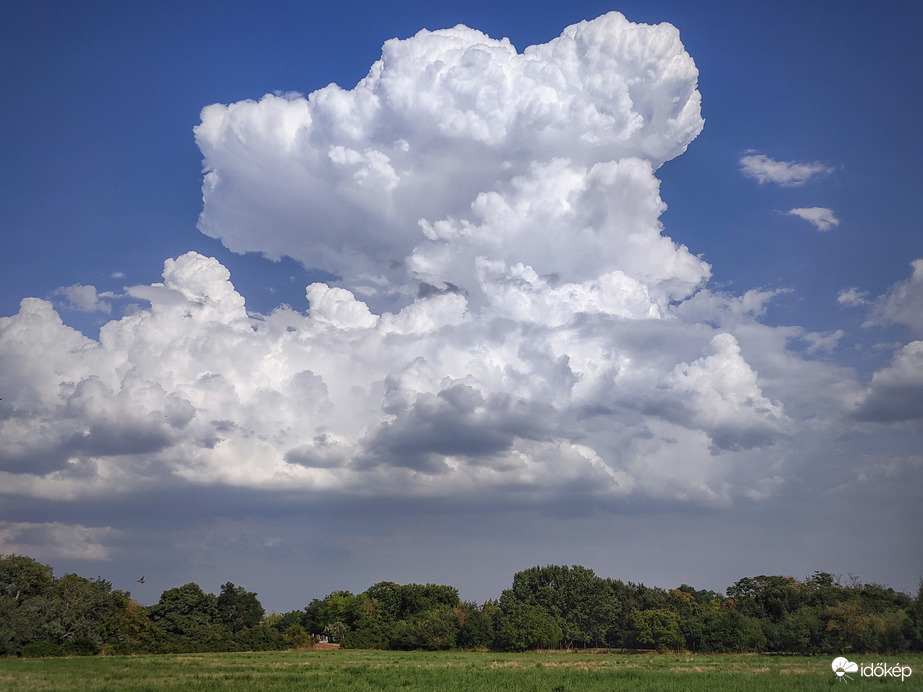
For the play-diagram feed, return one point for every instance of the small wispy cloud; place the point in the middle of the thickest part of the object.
(765, 169)
(852, 297)
(822, 218)
(823, 341)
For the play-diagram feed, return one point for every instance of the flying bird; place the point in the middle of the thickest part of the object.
(141, 580)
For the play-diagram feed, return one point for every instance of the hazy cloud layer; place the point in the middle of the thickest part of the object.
(510, 324)
(765, 169)
(52, 540)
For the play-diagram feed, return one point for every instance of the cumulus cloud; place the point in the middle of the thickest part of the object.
(821, 218)
(903, 303)
(457, 146)
(432, 399)
(723, 397)
(765, 169)
(509, 316)
(896, 392)
(83, 298)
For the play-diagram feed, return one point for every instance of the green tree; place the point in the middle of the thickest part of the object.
(238, 608)
(369, 633)
(693, 608)
(851, 627)
(658, 629)
(25, 586)
(913, 626)
(523, 627)
(729, 631)
(804, 631)
(188, 619)
(398, 602)
(583, 605)
(888, 631)
(620, 631)
(339, 606)
(768, 597)
(431, 630)
(78, 610)
(336, 631)
(128, 629)
(352, 620)
(22, 577)
(389, 599)
(477, 627)
(296, 637)
(74, 615)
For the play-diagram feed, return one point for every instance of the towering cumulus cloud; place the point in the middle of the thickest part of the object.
(507, 314)
(456, 150)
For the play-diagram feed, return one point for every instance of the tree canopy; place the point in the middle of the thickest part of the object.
(545, 607)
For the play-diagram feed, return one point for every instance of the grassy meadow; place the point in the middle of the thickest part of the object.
(336, 670)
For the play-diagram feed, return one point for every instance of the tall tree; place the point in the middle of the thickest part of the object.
(583, 605)
(22, 577)
(78, 612)
(188, 618)
(238, 608)
(658, 629)
(523, 627)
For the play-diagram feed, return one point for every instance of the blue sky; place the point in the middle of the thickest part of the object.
(788, 399)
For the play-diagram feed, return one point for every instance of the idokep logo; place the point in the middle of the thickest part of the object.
(841, 666)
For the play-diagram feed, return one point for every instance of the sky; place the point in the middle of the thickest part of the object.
(306, 296)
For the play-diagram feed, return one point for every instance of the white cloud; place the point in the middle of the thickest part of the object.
(432, 399)
(764, 169)
(84, 298)
(454, 146)
(509, 316)
(338, 308)
(903, 303)
(852, 297)
(818, 341)
(896, 392)
(720, 394)
(821, 218)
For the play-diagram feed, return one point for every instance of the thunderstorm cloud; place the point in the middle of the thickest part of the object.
(508, 317)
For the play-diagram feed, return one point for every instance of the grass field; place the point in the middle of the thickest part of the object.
(388, 670)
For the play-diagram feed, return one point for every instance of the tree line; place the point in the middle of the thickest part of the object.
(548, 607)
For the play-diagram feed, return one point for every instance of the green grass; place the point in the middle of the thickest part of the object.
(463, 671)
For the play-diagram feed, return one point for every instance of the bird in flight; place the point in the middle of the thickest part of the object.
(141, 580)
